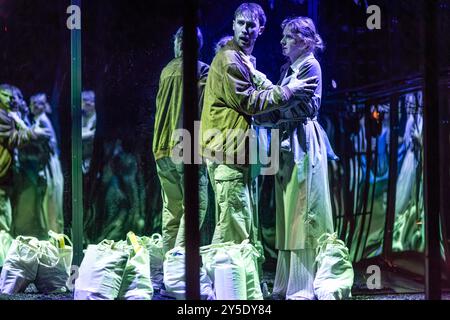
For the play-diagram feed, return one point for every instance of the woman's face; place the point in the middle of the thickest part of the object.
(37, 107)
(87, 106)
(292, 45)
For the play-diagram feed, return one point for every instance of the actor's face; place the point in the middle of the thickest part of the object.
(246, 30)
(5, 99)
(17, 101)
(293, 46)
(87, 106)
(37, 107)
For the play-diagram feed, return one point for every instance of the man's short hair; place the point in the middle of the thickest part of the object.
(254, 9)
(179, 35)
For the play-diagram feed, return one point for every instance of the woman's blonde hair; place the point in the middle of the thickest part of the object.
(305, 28)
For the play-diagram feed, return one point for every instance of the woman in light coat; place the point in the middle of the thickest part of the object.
(303, 205)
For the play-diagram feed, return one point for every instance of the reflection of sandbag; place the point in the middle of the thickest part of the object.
(55, 260)
(154, 246)
(174, 276)
(5, 243)
(136, 282)
(101, 271)
(20, 266)
(334, 276)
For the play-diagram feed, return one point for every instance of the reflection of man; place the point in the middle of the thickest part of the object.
(231, 99)
(13, 133)
(88, 124)
(169, 106)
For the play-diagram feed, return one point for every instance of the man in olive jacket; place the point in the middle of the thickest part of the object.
(13, 134)
(231, 100)
(168, 119)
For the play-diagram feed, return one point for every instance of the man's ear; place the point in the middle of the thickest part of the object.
(261, 30)
(233, 24)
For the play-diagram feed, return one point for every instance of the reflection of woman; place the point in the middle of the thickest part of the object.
(88, 125)
(301, 185)
(408, 227)
(38, 203)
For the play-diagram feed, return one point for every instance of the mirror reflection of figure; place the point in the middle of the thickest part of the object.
(88, 125)
(14, 134)
(118, 204)
(409, 232)
(168, 118)
(39, 184)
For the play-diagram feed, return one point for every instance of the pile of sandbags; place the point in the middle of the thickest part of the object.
(45, 263)
(229, 272)
(115, 270)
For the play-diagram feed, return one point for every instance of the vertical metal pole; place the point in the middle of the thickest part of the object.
(431, 155)
(77, 187)
(190, 99)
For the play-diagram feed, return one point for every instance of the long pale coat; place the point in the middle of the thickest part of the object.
(301, 185)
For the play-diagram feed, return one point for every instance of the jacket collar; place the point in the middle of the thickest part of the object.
(300, 61)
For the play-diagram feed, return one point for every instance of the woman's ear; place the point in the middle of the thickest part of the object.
(261, 30)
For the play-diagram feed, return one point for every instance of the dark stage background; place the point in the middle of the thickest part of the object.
(127, 43)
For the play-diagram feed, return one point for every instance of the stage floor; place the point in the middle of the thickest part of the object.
(397, 283)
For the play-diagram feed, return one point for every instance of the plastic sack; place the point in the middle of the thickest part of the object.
(174, 277)
(20, 266)
(229, 278)
(154, 246)
(334, 276)
(208, 254)
(136, 282)
(100, 273)
(55, 261)
(5, 243)
(234, 270)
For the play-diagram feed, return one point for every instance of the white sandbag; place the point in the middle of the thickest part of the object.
(231, 260)
(136, 282)
(229, 279)
(5, 243)
(55, 260)
(334, 276)
(155, 249)
(100, 273)
(174, 277)
(20, 266)
(208, 254)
